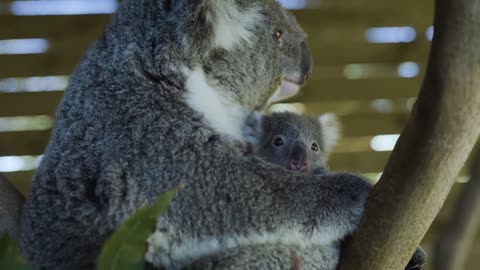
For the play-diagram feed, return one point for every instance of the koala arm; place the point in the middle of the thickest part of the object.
(282, 258)
(249, 202)
(321, 171)
(272, 256)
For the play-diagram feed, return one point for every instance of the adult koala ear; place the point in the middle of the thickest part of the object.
(330, 128)
(223, 24)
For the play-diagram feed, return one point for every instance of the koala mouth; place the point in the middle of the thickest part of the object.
(289, 87)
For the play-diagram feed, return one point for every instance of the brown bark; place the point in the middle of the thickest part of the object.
(457, 239)
(434, 145)
(11, 204)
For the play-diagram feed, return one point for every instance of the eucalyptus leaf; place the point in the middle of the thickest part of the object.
(125, 249)
(10, 257)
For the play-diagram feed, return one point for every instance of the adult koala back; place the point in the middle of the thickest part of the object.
(159, 99)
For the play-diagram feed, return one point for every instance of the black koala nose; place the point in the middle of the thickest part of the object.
(306, 60)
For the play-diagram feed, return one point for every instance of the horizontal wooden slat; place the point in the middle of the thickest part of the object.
(353, 13)
(368, 162)
(324, 91)
(21, 179)
(369, 13)
(353, 144)
(66, 54)
(364, 162)
(355, 154)
(29, 103)
(52, 27)
(348, 53)
(23, 143)
(361, 125)
(360, 5)
(362, 89)
(346, 107)
(38, 64)
(370, 5)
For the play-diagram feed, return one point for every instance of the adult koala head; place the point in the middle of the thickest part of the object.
(248, 53)
(255, 39)
(235, 55)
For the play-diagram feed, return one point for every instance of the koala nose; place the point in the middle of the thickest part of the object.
(298, 157)
(298, 165)
(306, 60)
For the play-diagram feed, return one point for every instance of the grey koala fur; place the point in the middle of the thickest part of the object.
(141, 114)
(302, 140)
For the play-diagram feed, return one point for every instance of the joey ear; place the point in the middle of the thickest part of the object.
(330, 127)
(252, 130)
(230, 25)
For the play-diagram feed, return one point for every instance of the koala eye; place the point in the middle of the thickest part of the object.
(314, 147)
(278, 35)
(278, 141)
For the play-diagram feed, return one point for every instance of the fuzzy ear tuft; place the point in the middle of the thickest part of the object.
(252, 130)
(330, 127)
(231, 25)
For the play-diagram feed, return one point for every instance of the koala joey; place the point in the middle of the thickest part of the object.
(296, 142)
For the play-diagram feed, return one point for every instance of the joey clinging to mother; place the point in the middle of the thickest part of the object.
(296, 142)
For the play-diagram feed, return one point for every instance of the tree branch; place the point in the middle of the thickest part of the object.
(432, 148)
(458, 238)
(11, 204)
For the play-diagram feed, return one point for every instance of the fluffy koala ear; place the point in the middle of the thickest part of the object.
(252, 130)
(230, 26)
(330, 127)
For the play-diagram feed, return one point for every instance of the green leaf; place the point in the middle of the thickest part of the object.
(126, 248)
(10, 257)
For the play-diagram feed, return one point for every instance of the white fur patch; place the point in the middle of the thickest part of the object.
(330, 130)
(232, 26)
(221, 112)
(175, 256)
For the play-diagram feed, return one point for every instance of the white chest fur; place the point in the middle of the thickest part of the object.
(219, 110)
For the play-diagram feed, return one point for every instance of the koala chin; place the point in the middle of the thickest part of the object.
(157, 100)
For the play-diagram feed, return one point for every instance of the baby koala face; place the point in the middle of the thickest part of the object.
(294, 141)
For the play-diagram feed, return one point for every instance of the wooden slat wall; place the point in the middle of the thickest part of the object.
(28, 104)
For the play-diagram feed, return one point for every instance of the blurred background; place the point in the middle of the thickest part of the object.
(369, 56)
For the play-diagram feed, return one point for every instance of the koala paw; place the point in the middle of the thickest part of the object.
(418, 260)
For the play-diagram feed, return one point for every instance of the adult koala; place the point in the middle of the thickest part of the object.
(160, 99)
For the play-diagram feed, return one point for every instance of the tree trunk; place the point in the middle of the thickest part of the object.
(442, 130)
(458, 238)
